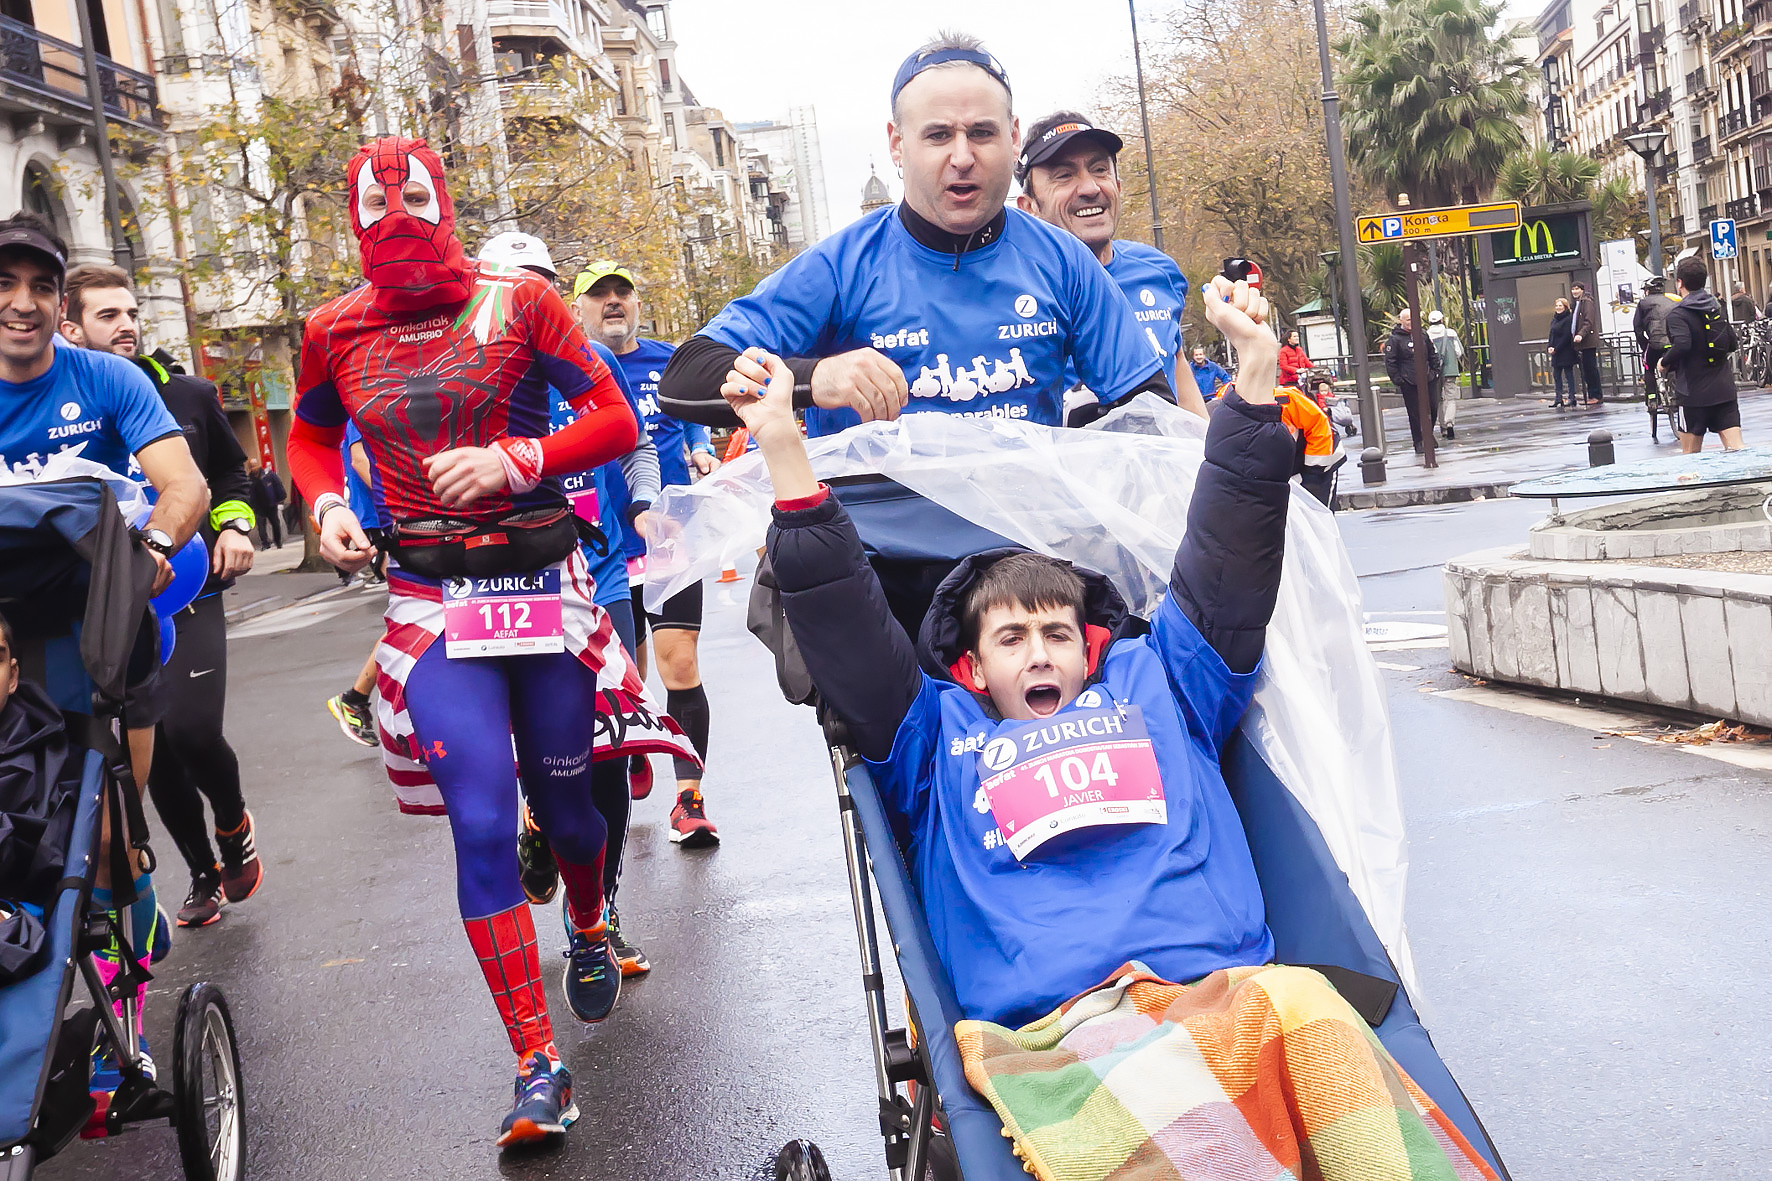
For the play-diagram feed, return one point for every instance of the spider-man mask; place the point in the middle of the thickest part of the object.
(412, 260)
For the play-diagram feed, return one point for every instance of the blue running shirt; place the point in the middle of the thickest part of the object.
(87, 397)
(1157, 291)
(990, 333)
(673, 437)
(609, 572)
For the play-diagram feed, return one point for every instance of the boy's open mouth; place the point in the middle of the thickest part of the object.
(1043, 700)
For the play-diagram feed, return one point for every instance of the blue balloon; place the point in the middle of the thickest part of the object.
(190, 570)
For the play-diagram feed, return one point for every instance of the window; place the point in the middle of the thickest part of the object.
(43, 196)
(671, 128)
(621, 90)
(664, 74)
(658, 23)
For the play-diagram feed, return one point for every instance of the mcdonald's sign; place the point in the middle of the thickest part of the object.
(1537, 240)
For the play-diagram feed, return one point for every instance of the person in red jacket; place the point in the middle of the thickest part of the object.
(444, 365)
(1293, 359)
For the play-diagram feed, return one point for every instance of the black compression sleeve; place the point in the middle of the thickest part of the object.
(1157, 383)
(690, 386)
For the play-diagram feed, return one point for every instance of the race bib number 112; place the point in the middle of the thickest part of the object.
(1080, 769)
(506, 615)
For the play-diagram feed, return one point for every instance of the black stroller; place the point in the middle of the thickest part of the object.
(1315, 918)
(75, 585)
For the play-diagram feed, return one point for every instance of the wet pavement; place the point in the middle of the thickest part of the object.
(1587, 916)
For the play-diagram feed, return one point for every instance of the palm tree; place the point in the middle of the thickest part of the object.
(1539, 176)
(1435, 93)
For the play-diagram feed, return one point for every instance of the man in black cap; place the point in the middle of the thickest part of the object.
(948, 302)
(1070, 177)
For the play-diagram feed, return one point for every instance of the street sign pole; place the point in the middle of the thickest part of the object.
(1413, 263)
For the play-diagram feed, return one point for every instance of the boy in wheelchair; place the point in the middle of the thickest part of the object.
(1050, 764)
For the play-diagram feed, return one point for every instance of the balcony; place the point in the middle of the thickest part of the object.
(1757, 13)
(1726, 37)
(1694, 13)
(1701, 149)
(1697, 81)
(1739, 210)
(1658, 103)
(1706, 214)
(46, 76)
(1731, 123)
(1676, 226)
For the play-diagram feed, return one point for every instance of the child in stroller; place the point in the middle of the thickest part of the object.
(1033, 672)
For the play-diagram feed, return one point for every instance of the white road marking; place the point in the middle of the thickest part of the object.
(1595, 719)
(1406, 645)
(1398, 668)
(288, 619)
(1393, 633)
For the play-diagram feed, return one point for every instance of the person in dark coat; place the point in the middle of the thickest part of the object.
(1587, 339)
(1650, 325)
(1704, 380)
(265, 487)
(1399, 365)
(1561, 339)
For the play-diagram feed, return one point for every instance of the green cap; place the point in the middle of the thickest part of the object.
(601, 269)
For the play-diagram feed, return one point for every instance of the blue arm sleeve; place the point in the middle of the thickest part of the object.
(792, 313)
(1112, 354)
(699, 437)
(1212, 697)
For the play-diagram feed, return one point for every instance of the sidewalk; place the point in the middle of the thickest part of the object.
(1503, 441)
(273, 583)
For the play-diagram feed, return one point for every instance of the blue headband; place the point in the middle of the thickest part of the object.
(918, 62)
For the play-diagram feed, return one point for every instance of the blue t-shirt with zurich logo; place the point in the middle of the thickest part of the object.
(87, 398)
(989, 334)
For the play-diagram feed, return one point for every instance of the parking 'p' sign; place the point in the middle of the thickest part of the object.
(1722, 238)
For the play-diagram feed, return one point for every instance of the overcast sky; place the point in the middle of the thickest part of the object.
(754, 59)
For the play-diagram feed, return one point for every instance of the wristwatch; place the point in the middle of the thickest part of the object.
(159, 539)
(238, 525)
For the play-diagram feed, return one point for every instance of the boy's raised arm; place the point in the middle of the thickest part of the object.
(1227, 570)
(860, 659)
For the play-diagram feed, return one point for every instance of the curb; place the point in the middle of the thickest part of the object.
(1411, 497)
(272, 603)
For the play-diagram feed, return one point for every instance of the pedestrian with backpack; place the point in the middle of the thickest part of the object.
(1700, 340)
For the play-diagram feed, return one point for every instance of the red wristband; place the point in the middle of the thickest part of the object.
(801, 503)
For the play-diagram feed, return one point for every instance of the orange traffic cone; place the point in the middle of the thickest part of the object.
(729, 573)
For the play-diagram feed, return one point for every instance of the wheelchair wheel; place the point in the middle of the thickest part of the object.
(800, 1160)
(206, 1087)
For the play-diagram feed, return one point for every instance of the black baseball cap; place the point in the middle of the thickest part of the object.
(30, 239)
(1055, 138)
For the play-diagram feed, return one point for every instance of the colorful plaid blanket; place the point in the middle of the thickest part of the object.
(1252, 1074)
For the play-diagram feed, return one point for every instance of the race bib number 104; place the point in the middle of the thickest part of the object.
(1081, 769)
(507, 615)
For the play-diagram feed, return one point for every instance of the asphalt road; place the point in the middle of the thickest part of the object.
(1587, 913)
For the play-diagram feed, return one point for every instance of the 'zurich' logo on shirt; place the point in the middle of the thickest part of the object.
(1146, 298)
(1026, 305)
(70, 411)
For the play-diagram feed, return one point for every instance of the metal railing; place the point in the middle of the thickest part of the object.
(51, 68)
(1739, 209)
(1706, 214)
(1676, 225)
(1621, 367)
(1696, 80)
(1701, 149)
(1731, 123)
(1694, 12)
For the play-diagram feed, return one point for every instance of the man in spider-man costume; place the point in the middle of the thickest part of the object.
(444, 364)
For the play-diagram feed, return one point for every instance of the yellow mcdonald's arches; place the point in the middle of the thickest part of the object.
(1532, 230)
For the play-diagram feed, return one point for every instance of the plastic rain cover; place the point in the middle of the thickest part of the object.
(1113, 497)
(132, 498)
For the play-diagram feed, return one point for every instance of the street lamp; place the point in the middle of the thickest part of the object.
(1649, 144)
(1371, 422)
(1144, 117)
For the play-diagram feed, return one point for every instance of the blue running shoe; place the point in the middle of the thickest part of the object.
(544, 1105)
(593, 977)
(107, 1072)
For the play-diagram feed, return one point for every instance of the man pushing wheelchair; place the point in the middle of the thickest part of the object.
(1052, 764)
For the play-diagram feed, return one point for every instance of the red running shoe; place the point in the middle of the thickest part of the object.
(639, 776)
(690, 826)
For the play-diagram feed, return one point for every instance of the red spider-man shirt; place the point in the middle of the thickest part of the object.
(463, 375)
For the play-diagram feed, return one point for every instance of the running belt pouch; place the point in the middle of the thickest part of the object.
(486, 550)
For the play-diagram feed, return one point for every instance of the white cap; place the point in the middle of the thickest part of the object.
(1434, 317)
(516, 249)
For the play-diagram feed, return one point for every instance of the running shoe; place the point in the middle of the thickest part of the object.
(593, 979)
(107, 1072)
(690, 826)
(537, 869)
(639, 776)
(544, 1105)
(357, 721)
(632, 959)
(241, 871)
(203, 904)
